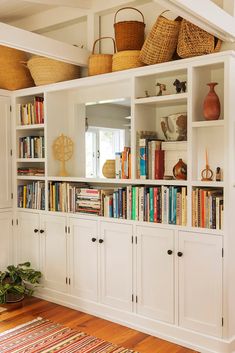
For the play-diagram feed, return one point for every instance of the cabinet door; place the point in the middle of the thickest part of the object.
(155, 273)
(54, 252)
(5, 153)
(83, 258)
(28, 239)
(5, 240)
(116, 265)
(200, 282)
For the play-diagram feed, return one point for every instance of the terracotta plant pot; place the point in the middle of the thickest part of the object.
(211, 105)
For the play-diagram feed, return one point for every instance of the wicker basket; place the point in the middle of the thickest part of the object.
(129, 35)
(45, 71)
(195, 41)
(100, 63)
(127, 59)
(12, 74)
(161, 42)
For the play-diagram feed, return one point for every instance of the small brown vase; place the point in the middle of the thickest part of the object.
(211, 105)
(180, 170)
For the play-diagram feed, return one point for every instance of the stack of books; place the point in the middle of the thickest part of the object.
(123, 164)
(88, 201)
(207, 208)
(23, 171)
(31, 147)
(31, 195)
(31, 113)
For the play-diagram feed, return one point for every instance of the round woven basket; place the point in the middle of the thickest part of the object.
(45, 70)
(127, 59)
(100, 63)
(129, 35)
(13, 75)
(194, 41)
(161, 42)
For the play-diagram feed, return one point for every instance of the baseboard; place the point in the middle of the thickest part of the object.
(193, 340)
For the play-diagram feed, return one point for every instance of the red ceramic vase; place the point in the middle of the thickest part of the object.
(211, 105)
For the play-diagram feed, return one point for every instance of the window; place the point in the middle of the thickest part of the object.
(101, 144)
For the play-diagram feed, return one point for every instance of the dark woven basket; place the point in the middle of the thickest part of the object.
(129, 35)
(194, 41)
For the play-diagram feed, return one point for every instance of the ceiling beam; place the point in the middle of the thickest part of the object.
(205, 14)
(40, 45)
(82, 4)
(49, 18)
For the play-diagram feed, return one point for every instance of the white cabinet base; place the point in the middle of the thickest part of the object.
(177, 335)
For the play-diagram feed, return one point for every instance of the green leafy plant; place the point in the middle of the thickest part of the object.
(18, 281)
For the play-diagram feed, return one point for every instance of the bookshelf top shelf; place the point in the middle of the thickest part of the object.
(171, 99)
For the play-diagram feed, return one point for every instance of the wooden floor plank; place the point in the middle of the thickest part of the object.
(32, 307)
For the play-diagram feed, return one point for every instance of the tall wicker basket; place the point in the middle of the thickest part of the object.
(13, 75)
(100, 63)
(161, 42)
(129, 35)
(195, 41)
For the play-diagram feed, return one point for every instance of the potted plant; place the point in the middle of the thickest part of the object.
(17, 281)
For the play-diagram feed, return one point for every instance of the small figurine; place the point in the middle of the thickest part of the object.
(218, 175)
(146, 94)
(162, 87)
(207, 173)
(180, 86)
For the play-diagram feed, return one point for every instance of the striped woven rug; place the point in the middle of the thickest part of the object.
(44, 336)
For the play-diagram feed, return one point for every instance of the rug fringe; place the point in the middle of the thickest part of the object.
(20, 326)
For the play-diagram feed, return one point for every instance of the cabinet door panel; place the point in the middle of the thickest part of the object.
(28, 239)
(5, 240)
(200, 282)
(84, 258)
(54, 252)
(155, 273)
(5, 156)
(116, 265)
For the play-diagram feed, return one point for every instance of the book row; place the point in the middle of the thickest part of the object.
(160, 204)
(31, 147)
(207, 208)
(31, 113)
(123, 164)
(32, 196)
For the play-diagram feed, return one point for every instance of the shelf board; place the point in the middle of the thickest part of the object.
(217, 184)
(171, 99)
(30, 177)
(28, 160)
(30, 127)
(211, 123)
(119, 181)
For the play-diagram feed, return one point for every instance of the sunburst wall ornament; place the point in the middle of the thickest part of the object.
(63, 151)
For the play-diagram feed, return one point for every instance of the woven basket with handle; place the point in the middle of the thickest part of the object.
(129, 35)
(13, 75)
(161, 42)
(100, 63)
(127, 59)
(195, 41)
(45, 70)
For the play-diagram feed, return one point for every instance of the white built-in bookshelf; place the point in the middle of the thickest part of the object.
(169, 248)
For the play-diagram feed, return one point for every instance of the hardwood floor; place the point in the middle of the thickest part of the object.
(123, 336)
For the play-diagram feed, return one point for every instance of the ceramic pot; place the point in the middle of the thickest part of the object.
(174, 127)
(180, 170)
(108, 169)
(211, 105)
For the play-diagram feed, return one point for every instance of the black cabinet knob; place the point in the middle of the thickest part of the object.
(101, 241)
(35, 230)
(41, 231)
(93, 239)
(169, 252)
(180, 254)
